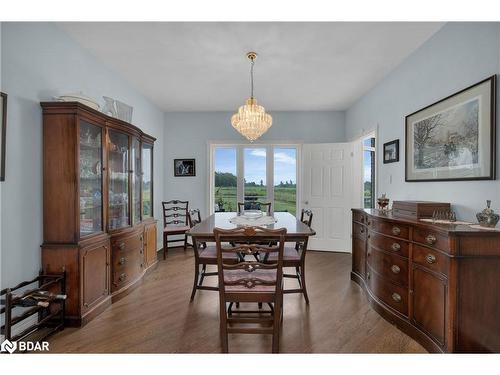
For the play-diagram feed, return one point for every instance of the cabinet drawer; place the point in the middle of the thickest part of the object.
(391, 267)
(431, 238)
(128, 242)
(392, 295)
(390, 244)
(126, 274)
(124, 259)
(359, 217)
(358, 230)
(386, 227)
(430, 259)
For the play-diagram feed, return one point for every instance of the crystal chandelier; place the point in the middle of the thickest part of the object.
(251, 120)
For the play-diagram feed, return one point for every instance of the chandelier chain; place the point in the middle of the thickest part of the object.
(251, 77)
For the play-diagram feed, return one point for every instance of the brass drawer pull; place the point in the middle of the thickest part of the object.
(122, 277)
(369, 236)
(396, 231)
(395, 269)
(430, 258)
(122, 261)
(368, 253)
(431, 239)
(396, 297)
(395, 246)
(368, 222)
(121, 246)
(368, 275)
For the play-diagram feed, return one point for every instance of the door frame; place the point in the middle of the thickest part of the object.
(240, 168)
(374, 132)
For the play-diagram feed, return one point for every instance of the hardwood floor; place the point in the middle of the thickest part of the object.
(157, 317)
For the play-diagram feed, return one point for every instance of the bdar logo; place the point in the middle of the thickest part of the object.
(8, 346)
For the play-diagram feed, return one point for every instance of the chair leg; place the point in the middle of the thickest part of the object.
(303, 282)
(297, 272)
(185, 242)
(203, 270)
(165, 244)
(196, 273)
(223, 328)
(276, 326)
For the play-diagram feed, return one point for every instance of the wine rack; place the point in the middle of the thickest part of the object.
(50, 317)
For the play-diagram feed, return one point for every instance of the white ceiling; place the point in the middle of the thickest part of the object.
(301, 66)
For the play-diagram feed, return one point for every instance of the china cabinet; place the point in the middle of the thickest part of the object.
(439, 283)
(98, 222)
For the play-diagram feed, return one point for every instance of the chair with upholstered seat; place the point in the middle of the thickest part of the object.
(203, 256)
(175, 222)
(295, 256)
(250, 281)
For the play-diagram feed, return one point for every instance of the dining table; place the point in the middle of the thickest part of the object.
(296, 230)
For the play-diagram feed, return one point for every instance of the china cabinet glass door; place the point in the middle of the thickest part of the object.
(90, 178)
(136, 180)
(118, 211)
(147, 180)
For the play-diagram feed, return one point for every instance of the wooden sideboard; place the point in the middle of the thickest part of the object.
(98, 222)
(440, 284)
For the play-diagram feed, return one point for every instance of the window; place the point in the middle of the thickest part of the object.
(255, 174)
(285, 180)
(245, 173)
(225, 179)
(369, 172)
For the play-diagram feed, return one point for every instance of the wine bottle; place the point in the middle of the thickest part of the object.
(28, 302)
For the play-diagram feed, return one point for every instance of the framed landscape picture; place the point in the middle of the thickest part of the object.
(454, 138)
(184, 167)
(391, 151)
(3, 127)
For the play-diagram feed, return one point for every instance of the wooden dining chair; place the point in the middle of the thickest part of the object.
(203, 256)
(175, 222)
(295, 256)
(250, 281)
(242, 206)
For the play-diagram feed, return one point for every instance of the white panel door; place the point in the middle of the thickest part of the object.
(328, 192)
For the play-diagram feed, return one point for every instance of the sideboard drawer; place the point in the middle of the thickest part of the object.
(431, 238)
(128, 242)
(392, 295)
(391, 267)
(123, 259)
(126, 274)
(430, 259)
(358, 231)
(389, 228)
(359, 217)
(393, 245)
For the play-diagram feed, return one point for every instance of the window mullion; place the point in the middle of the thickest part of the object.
(240, 173)
(270, 174)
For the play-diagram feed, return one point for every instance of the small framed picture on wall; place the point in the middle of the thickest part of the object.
(3, 127)
(391, 151)
(184, 167)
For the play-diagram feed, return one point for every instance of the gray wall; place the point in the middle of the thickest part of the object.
(38, 62)
(459, 55)
(187, 136)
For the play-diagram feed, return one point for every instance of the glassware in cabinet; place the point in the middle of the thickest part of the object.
(118, 180)
(90, 145)
(136, 180)
(147, 180)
